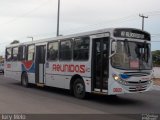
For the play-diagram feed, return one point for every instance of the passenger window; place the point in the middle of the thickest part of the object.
(81, 48)
(65, 50)
(30, 53)
(52, 51)
(15, 54)
(8, 54)
(21, 53)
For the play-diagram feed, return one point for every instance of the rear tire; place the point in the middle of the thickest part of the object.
(79, 89)
(24, 80)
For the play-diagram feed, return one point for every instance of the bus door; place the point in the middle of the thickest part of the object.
(40, 64)
(100, 62)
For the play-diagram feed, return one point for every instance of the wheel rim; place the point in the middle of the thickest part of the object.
(79, 89)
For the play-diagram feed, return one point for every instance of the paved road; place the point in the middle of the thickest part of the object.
(16, 99)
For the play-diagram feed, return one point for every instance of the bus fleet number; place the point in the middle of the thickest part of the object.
(117, 89)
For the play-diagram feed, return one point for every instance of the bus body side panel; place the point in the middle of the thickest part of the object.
(13, 70)
(7, 69)
(29, 67)
(31, 77)
(59, 74)
(16, 70)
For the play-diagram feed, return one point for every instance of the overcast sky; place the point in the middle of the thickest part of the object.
(38, 18)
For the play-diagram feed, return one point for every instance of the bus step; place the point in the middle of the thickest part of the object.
(100, 93)
(40, 84)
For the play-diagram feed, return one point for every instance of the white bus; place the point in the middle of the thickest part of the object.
(108, 61)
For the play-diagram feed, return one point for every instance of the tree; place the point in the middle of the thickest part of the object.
(156, 58)
(15, 42)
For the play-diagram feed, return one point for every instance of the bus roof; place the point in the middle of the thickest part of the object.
(72, 36)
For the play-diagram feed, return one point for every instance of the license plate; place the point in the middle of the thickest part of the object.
(138, 87)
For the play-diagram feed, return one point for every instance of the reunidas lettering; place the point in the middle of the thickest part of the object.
(68, 68)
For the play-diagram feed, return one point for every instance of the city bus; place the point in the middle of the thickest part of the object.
(107, 61)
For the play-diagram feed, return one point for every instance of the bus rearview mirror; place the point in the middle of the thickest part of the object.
(114, 46)
(114, 49)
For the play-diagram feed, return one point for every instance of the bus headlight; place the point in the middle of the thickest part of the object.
(116, 77)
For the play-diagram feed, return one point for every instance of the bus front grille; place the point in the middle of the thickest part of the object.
(137, 88)
(135, 82)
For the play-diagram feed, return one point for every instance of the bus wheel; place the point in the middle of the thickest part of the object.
(79, 88)
(24, 80)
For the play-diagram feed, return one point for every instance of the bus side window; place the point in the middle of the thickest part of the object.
(30, 52)
(52, 51)
(15, 54)
(8, 54)
(81, 48)
(65, 50)
(21, 53)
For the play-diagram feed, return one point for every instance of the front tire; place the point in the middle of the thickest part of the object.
(24, 80)
(79, 89)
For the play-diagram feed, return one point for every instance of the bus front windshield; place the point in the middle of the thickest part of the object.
(132, 56)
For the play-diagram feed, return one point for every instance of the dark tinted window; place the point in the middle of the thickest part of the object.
(81, 48)
(22, 53)
(65, 50)
(52, 51)
(8, 54)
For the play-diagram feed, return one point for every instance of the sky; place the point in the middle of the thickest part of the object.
(21, 19)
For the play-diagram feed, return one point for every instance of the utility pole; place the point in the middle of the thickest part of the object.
(143, 20)
(58, 17)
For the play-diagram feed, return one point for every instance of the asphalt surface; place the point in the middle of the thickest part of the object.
(34, 100)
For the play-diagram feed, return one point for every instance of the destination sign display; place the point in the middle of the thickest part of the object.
(131, 33)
